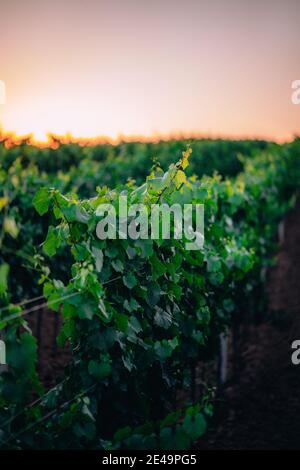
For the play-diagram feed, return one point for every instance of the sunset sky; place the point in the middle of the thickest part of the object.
(148, 67)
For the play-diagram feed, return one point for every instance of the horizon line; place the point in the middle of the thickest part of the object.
(54, 140)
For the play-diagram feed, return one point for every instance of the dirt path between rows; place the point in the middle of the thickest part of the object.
(261, 408)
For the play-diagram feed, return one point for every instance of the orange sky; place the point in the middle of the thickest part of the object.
(93, 67)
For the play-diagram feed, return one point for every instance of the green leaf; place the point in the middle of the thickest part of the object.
(131, 252)
(118, 265)
(194, 427)
(170, 419)
(185, 158)
(132, 305)
(10, 227)
(135, 325)
(216, 278)
(158, 268)
(121, 322)
(213, 264)
(130, 280)
(122, 434)
(228, 305)
(155, 184)
(165, 348)
(41, 201)
(99, 370)
(146, 247)
(105, 314)
(21, 354)
(153, 294)
(86, 311)
(198, 337)
(127, 363)
(112, 251)
(52, 242)
(98, 255)
(4, 270)
(75, 213)
(162, 318)
(180, 178)
(3, 202)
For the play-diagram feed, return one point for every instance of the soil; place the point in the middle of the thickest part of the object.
(52, 360)
(260, 407)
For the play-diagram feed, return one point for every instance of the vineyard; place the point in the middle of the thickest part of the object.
(140, 326)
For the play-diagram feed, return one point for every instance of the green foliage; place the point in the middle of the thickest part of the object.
(4, 269)
(136, 313)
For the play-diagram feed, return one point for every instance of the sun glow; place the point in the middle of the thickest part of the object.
(99, 69)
